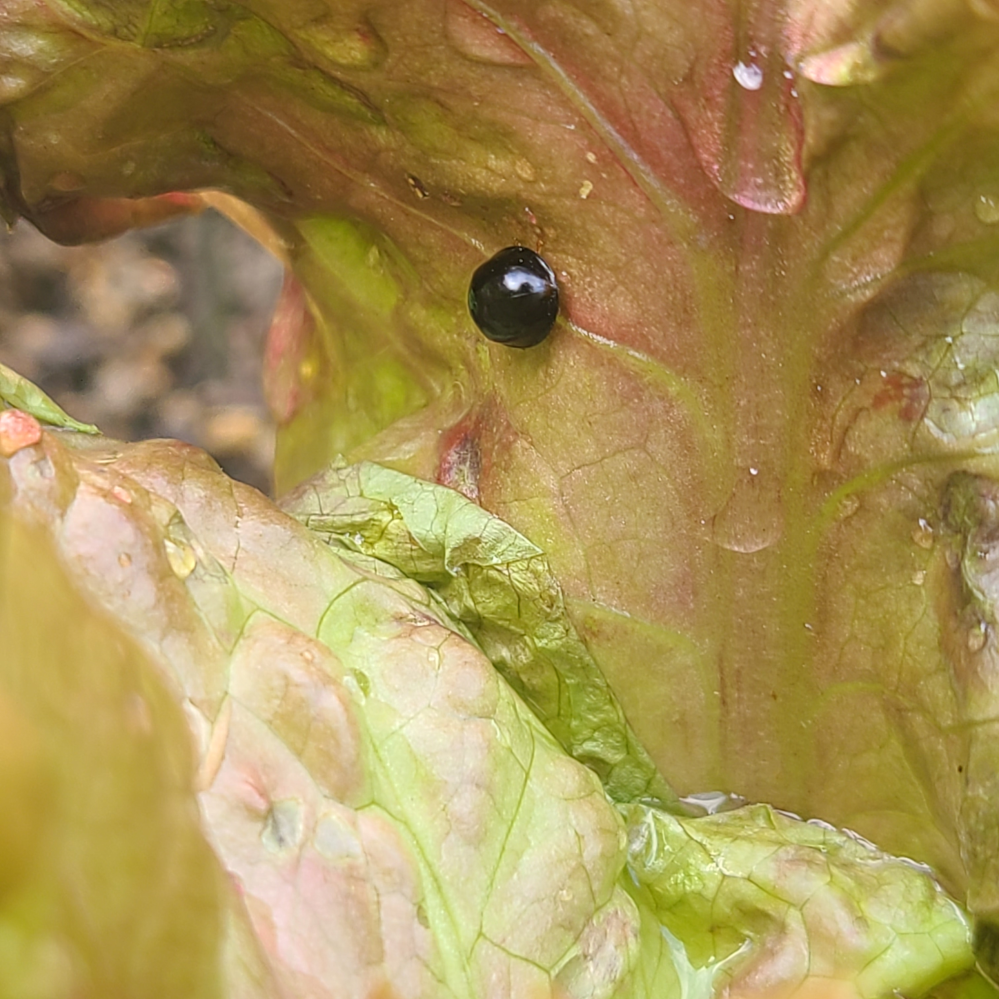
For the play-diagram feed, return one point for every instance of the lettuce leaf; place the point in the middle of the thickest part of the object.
(387, 812)
(758, 449)
(500, 587)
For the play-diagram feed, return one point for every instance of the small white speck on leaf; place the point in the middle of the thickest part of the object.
(987, 209)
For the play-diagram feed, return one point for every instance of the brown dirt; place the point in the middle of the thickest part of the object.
(155, 334)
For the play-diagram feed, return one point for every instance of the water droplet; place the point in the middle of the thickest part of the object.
(752, 518)
(749, 76)
(987, 208)
(922, 533)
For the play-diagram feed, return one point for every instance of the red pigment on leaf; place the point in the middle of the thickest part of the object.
(910, 394)
(289, 333)
(86, 220)
(17, 430)
(460, 464)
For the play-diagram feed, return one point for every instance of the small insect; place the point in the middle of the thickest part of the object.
(513, 298)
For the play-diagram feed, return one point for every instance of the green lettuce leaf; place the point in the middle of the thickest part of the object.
(107, 885)
(386, 813)
(17, 392)
(325, 703)
(758, 896)
(500, 587)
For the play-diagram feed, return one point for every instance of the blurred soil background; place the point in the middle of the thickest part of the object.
(158, 333)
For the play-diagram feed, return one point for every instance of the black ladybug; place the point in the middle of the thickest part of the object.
(513, 298)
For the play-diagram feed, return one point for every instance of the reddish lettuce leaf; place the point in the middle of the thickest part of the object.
(758, 448)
